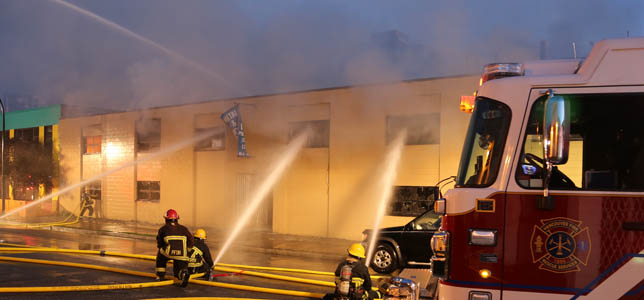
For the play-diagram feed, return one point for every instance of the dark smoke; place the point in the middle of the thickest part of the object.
(51, 54)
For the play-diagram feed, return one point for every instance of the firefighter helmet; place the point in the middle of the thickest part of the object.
(356, 250)
(200, 233)
(171, 214)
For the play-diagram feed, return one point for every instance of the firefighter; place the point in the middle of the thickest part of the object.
(353, 281)
(87, 203)
(174, 241)
(200, 258)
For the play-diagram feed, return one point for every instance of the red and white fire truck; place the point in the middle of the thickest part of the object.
(549, 196)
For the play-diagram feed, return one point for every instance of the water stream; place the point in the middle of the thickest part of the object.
(147, 157)
(386, 182)
(149, 42)
(263, 189)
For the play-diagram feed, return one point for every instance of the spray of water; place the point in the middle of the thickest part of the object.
(148, 42)
(386, 181)
(150, 156)
(260, 193)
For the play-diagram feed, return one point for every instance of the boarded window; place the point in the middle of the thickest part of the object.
(148, 135)
(207, 124)
(421, 129)
(148, 190)
(319, 137)
(410, 201)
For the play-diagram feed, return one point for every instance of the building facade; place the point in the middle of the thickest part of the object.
(31, 158)
(330, 190)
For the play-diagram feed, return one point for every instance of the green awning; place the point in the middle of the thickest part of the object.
(29, 118)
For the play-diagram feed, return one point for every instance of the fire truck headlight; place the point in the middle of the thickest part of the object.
(438, 243)
(440, 260)
(483, 237)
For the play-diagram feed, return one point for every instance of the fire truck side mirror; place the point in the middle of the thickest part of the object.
(556, 129)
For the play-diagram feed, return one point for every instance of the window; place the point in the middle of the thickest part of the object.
(148, 135)
(215, 142)
(205, 123)
(421, 129)
(606, 148)
(410, 201)
(92, 139)
(319, 138)
(148, 190)
(484, 143)
(26, 134)
(92, 144)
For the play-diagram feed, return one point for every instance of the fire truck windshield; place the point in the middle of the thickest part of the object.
(484, 143)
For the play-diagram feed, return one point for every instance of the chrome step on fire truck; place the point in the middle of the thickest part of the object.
(549, 197)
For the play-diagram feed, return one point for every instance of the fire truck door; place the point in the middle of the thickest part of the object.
(587, 238)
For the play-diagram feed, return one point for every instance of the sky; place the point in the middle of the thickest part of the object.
(131, 54)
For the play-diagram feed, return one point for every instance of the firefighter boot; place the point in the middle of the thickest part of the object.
(160, 276)
(184, 277)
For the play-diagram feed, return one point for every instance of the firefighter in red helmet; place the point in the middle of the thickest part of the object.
(174, 241)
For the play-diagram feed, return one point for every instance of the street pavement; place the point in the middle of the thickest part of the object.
(248, 241)
(258, 248)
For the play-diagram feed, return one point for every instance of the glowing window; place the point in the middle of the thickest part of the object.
(92, 144)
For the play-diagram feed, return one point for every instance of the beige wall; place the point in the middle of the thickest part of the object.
(325, 192)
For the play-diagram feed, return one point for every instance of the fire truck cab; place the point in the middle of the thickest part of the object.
(549, 196)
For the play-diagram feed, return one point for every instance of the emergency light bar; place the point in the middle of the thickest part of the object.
(500, 70)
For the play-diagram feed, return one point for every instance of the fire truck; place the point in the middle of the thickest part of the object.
(548, 201)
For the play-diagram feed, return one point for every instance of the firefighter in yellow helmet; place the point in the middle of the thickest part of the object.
(200, 258)
(353, 281)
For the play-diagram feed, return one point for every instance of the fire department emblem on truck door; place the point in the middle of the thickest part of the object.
(560, 245)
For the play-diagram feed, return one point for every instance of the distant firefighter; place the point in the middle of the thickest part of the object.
(87, 204)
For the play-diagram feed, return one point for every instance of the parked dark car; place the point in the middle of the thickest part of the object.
(403, 246)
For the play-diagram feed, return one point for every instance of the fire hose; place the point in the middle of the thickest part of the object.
(117, 270)
(65, 221)
(81, 287)
(151, 257)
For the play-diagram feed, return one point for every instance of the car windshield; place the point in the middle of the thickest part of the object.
(484, 143)
(427, 221)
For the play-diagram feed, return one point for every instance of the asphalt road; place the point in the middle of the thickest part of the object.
(17, 274)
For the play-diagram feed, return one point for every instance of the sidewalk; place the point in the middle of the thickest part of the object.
(257, 241)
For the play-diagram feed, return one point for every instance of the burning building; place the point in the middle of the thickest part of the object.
(328, 189)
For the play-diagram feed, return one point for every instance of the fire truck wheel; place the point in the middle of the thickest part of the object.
(384, 259)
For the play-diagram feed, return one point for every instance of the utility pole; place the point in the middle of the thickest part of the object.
(2, 154)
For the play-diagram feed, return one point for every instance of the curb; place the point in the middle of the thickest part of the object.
(148, 237)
